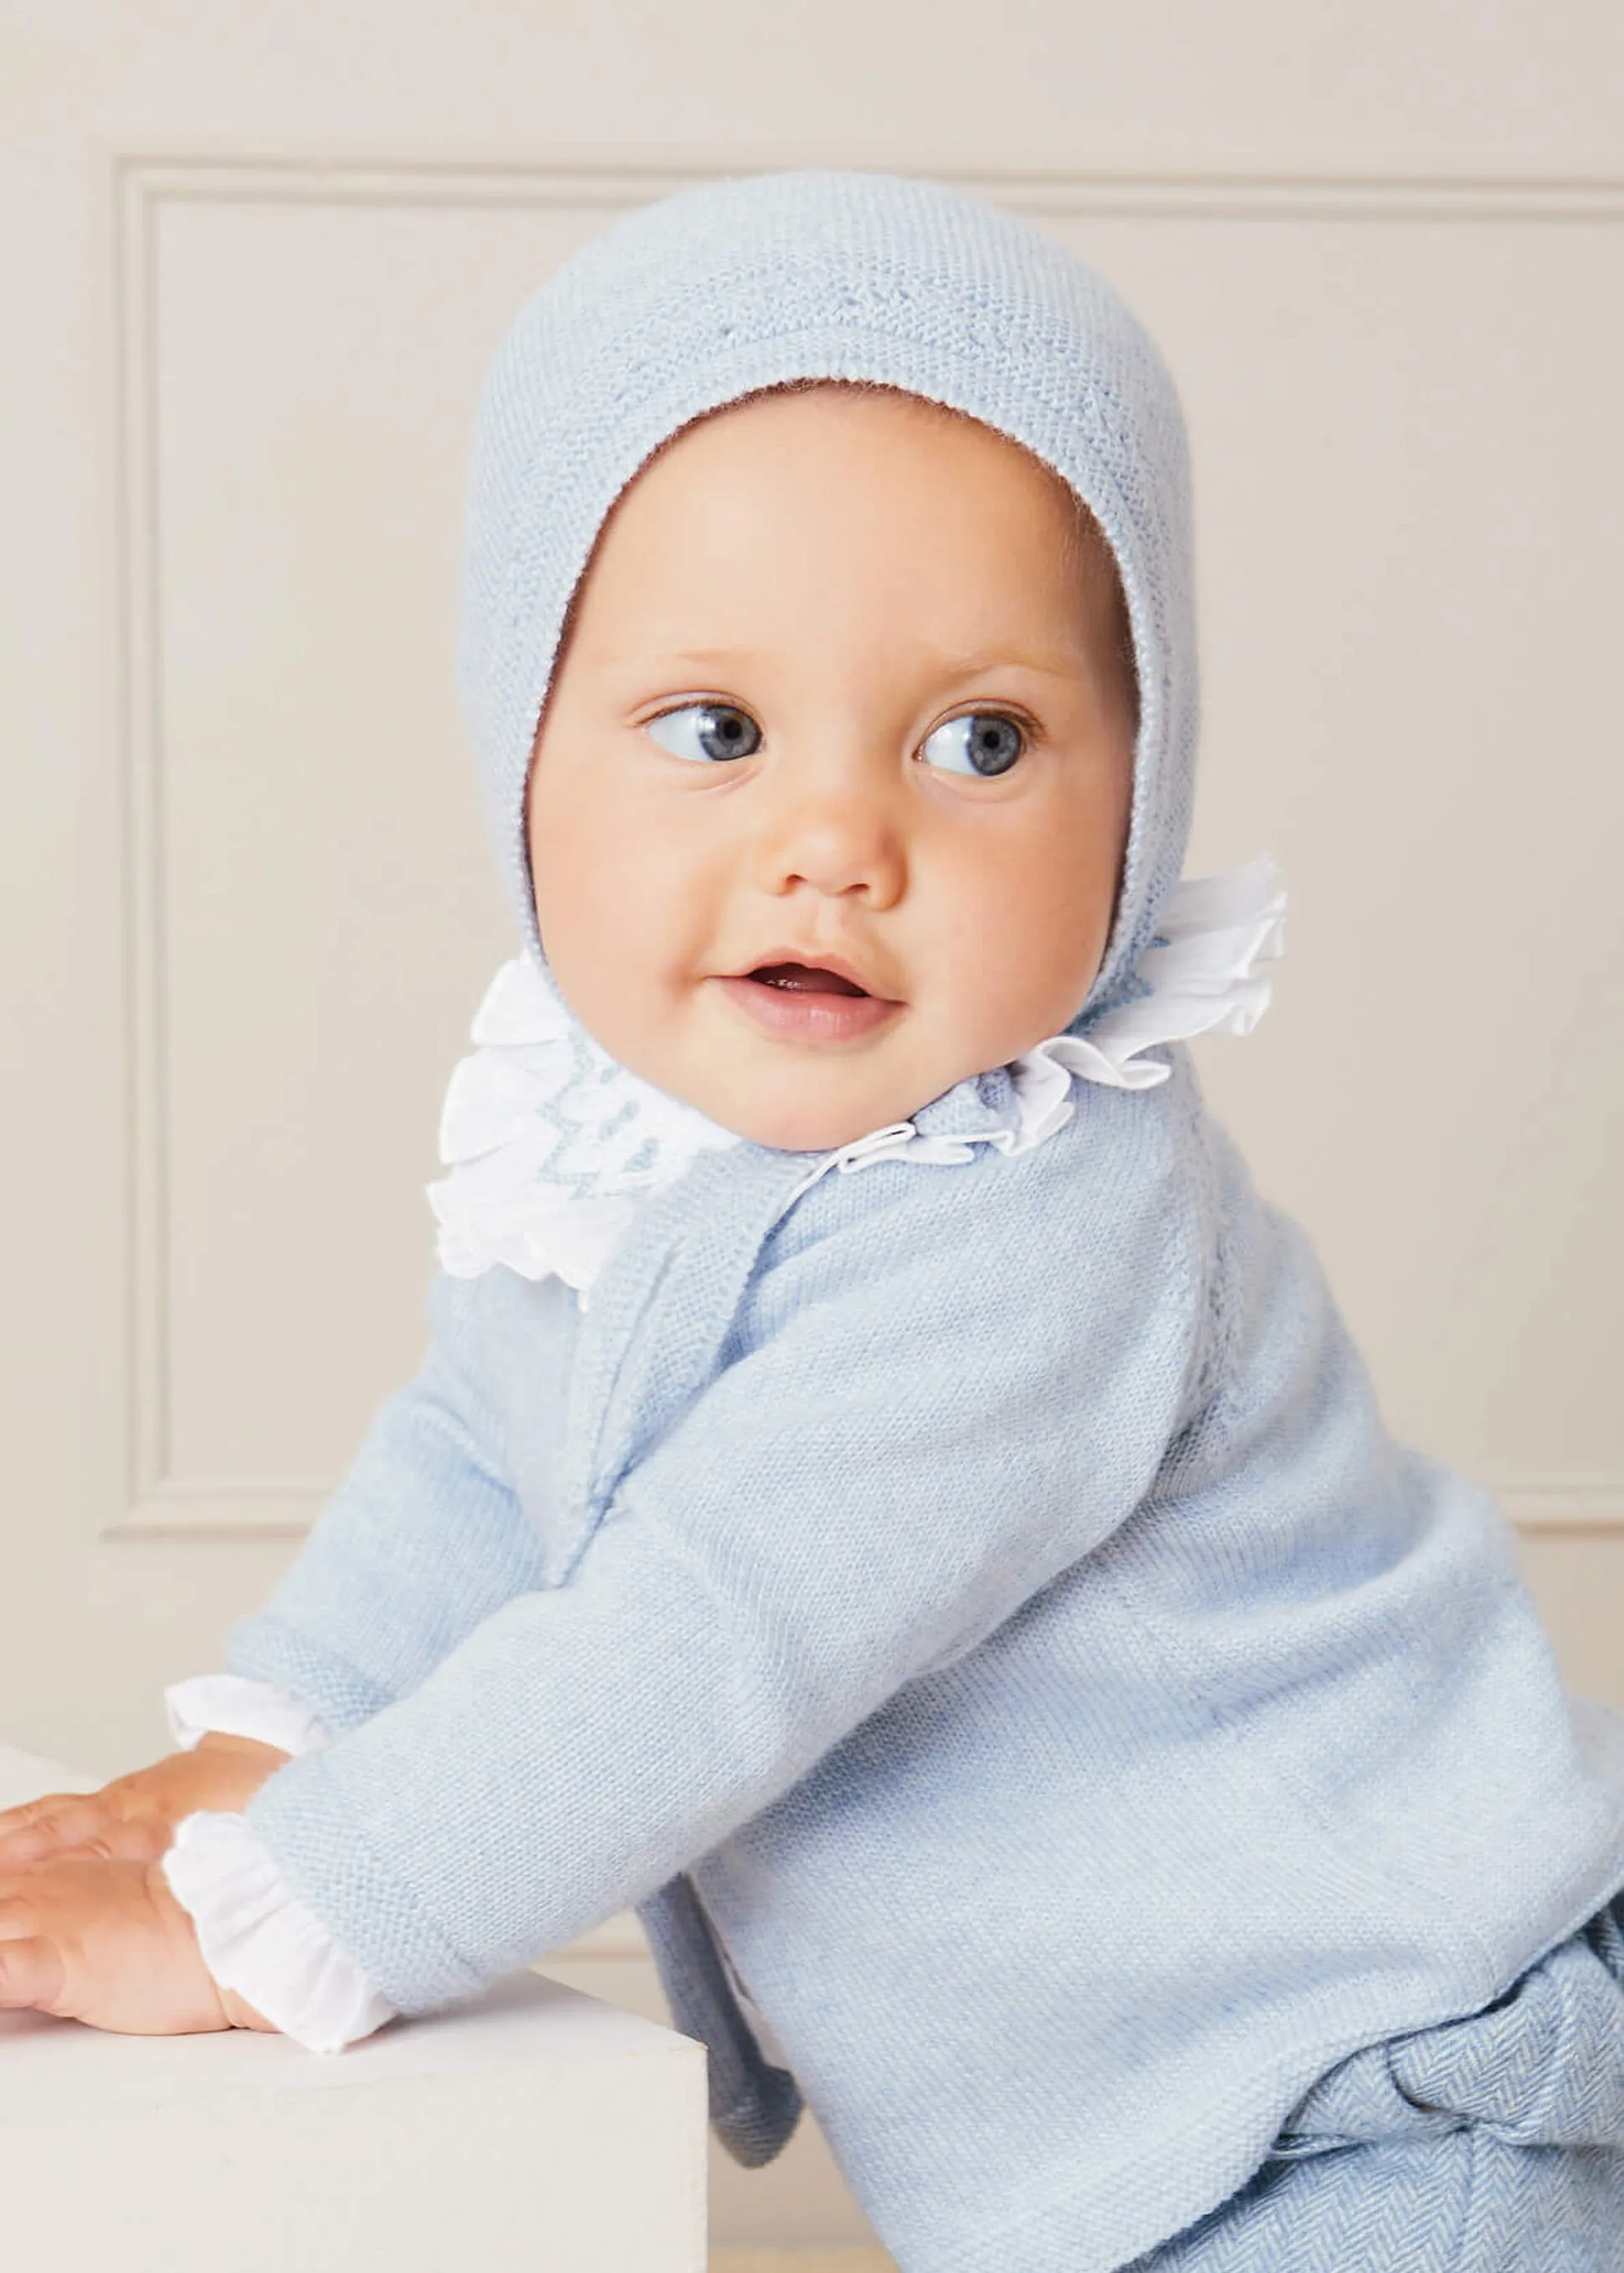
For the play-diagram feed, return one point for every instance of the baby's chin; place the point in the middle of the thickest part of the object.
(815, 1108)
(808, 1130)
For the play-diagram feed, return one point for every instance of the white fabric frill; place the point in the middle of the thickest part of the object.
(256, 1938)
(1201, 976)
(228, 1705)
(552, 1144)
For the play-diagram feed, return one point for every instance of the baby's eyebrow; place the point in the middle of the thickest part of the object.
(952, 667)
(715, 657)
(980, 666)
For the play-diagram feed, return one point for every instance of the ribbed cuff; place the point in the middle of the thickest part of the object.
(308, 1823)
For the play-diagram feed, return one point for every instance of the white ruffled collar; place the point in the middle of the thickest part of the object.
(552, 1144)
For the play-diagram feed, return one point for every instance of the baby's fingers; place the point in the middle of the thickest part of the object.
(17, 1819)
(107, 1943)
(64, 1824)
(31, 1974)
(28, 1835)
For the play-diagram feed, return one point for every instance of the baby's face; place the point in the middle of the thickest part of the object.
(829, 801)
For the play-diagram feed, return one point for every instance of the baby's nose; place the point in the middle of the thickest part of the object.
(837, 840)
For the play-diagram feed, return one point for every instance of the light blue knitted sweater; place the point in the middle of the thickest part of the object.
(986, 1592)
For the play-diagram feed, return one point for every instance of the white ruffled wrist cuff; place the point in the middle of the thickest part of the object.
(261, 1943)
(227, 1705)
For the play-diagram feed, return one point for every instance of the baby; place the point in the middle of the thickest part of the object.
(884, 1495)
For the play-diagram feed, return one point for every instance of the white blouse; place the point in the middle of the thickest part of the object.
(551, 1145)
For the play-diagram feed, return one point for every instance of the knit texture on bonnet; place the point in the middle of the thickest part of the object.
(741, 285)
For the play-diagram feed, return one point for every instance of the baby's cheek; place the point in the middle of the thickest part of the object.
(1022, 964)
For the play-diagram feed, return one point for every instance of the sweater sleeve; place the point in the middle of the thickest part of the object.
(422, 1540)
(902, 1446)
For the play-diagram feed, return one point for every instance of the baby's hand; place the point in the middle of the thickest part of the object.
(108, 1943)
(133, 1818)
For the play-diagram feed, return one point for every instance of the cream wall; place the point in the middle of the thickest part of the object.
(253, 260)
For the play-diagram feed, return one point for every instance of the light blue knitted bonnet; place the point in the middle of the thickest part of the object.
(739, 285)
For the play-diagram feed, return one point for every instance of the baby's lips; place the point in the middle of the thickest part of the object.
(809, 1014)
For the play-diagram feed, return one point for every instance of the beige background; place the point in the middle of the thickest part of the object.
(254, 260)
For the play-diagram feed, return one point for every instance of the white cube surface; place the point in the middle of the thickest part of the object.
(535, 2129)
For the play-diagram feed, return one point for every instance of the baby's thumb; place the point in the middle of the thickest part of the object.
(30, 1974)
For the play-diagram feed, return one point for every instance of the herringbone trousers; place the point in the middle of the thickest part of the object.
(1491, 2144)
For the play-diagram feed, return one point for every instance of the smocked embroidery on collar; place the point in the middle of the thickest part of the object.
(550, 1141)
(552, 1144)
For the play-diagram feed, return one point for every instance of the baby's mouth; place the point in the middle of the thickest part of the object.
(809, 1001)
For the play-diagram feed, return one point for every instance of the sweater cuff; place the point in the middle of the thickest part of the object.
(323, 1849)
(260, 1941)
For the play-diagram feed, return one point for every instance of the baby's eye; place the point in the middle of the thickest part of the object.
(984, 743)
(706, 731)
